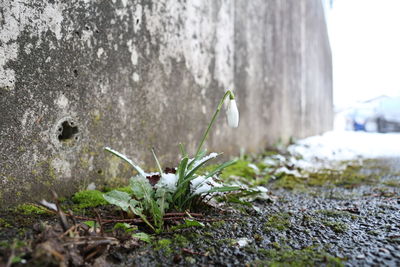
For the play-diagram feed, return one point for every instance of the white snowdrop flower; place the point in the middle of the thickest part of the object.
(49, 205)
(232, 114)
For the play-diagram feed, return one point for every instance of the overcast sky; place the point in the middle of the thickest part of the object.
(365, 42)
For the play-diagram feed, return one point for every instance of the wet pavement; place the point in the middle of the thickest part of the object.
(319, 226)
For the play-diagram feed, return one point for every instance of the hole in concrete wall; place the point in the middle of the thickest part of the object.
(67, 131)
(75, 72)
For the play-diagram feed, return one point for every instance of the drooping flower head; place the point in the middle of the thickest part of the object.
(232, 113)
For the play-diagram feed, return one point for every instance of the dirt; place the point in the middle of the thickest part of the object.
(325, 225)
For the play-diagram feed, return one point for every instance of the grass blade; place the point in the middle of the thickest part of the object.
(157, 162)
(199, 156)
(182, 149)
(200, 163)
(223, 189)
(220, 168)
(122, 156)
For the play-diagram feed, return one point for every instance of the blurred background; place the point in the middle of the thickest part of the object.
(366, 62)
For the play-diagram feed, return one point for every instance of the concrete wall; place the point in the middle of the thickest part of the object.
(79, 75)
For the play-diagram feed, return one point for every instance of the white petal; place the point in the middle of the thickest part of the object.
(49, 205)
(232, 114)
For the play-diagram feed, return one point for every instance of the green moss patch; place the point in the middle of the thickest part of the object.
(164, 245)
(337, 227)
(240, 171)
(350, 177)
(304, 257)
(88, 199)
(280, 222)
(30, 209)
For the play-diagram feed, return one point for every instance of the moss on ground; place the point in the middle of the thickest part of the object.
(88, 199)
(241, 171)
(303, 257)
(336, 226)
(350, 177)
(4, 223)
(280, 221)
(392, 183)
(164, 245)
(30, 209)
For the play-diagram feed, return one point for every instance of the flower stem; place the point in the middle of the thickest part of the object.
(231, 96)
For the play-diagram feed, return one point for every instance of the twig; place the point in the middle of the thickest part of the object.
(12, 255)
(61, 214)
(99, 220)
(72, 228)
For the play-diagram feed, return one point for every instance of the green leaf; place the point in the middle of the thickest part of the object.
(91, 224)
(125, 226)
(223, 189)
(118, 198)
(157, 162)
(199, 156)
(182, 169)
(16, 259)
(187, 223)
(162, 200)
(183, 151)
(141, 188)
(122, 156)
(198, 165)
(220, 168)
(183, 186)
(190, 223)
(143, 237)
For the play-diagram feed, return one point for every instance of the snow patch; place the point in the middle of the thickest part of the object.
(168, 181)
(332, 147)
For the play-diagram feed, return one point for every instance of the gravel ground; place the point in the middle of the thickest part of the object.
(310, 226)
(328, 226)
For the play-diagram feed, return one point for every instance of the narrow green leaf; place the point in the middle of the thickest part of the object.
(223, 189)
(122, 156)
(139, 212)
(220, 168)
(191, 222)
(182, 169)
(203, 161)
(187, 223)
(182, 149)
(196, 158)
(157, 162)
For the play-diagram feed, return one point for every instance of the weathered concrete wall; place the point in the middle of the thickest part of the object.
(79, 75)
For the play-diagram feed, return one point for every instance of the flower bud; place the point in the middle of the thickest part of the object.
(232, 114)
